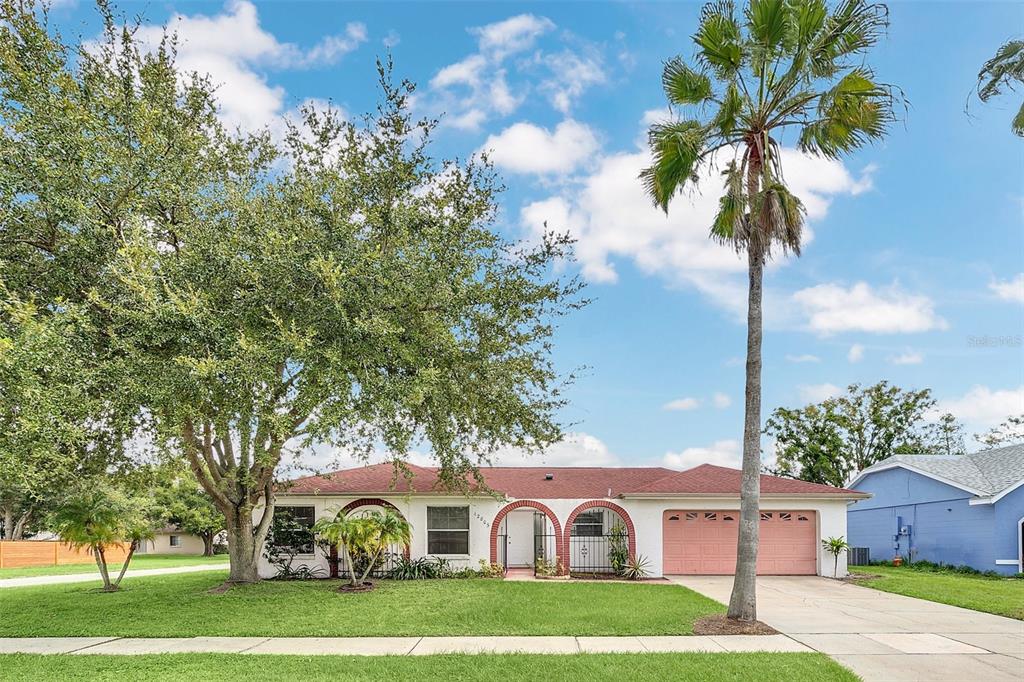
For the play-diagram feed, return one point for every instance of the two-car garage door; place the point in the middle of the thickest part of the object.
(704, 542)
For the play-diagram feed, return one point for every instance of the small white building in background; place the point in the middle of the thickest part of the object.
(172, 540)
(681, 522)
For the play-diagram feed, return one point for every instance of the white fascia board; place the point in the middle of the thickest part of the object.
(926, 474)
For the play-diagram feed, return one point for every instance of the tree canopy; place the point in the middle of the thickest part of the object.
(830, 441)
(245, 295)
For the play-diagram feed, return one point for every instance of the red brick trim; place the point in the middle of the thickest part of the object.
(519, 504)
(591, 505)
(374, 502)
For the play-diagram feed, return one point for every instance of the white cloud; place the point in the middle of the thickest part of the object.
(907, 357)
(477, 87)
(576, 449)
(514, 34)
(572, 75)
(726, 453)
(815, 393)
(832, 308)
(391, 39)
(856, 353)
(234, 50)
(806, 357)
(526, 148)
(1009, 290)
(982, 407)
(681, 405)
(721, 401)
(611, 217)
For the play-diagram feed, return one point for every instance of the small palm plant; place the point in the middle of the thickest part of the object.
(835, 547)
(98, 518)
(370, 533)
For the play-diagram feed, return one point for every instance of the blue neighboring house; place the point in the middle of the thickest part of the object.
(950, 509)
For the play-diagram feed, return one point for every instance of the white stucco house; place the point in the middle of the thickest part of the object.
(682, 522)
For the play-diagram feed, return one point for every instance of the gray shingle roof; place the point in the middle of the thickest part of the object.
(988, 472)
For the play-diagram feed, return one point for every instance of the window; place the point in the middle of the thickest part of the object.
(785, 516)
(293, 528)
(175, 541)
(727, 517)
(801, 517)
(710, 516)
(447, 530)
(589, 524)
(691, 516)
(766, 516)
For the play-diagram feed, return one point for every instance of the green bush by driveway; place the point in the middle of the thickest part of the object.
(181, 606)
(1001, 596)
(486, 667)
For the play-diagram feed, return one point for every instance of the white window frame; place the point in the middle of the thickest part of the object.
(174, 540)
(589, 524)
(469, 539)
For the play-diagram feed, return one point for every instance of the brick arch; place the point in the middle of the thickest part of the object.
(623, 514)
(355, 504)
(519, 504)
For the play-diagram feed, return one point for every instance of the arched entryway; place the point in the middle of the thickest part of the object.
(542, 544)
(356, 504)
(593, 537)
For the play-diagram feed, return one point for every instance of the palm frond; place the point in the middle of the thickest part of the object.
(728, 117)
(683, 85)
(676, 149)
(1004, 70)
(730, 222)
(769, 26)
(719, 40)
(852, 28)
(1018, 122)
(852, 113)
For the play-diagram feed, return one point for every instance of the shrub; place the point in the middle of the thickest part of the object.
(491, 570)
(548, 569)
(618, 548)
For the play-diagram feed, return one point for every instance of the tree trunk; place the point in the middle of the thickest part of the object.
(127, 560)
(242, 550)
(101, 562)
(8, 529)
(743, 602)
(19, 526)
(208, 544)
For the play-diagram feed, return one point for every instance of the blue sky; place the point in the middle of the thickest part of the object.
(914, 271)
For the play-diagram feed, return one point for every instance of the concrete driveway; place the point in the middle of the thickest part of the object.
(883, 636)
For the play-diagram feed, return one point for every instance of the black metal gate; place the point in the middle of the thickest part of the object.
(598, 553)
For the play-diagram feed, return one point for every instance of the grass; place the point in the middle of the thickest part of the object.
(139, 562)
(181, 606)
(693, 667)
(1001, 596)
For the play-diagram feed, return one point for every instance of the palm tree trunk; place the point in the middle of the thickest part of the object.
(101, 562)
(127, 560)
(743, 602)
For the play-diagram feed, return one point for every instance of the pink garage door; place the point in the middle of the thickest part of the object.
(704, 542)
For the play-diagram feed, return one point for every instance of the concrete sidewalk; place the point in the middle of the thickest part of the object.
(396, 646)
(883, 636)
(95, 577)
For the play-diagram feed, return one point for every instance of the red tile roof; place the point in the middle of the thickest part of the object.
(566, 482)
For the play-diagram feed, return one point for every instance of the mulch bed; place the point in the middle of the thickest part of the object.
(720, 625)
(354, 589)
(617, 578)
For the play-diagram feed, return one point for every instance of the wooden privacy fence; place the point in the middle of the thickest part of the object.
(32, 553)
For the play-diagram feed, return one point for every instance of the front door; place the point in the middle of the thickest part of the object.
(519, 536)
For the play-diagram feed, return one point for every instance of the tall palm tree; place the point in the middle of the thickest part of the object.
(1004, 70)
(784, 67)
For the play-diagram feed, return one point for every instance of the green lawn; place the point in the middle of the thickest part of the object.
(181, 606)
(139, 562)
(1001, 596)
(488, 667)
